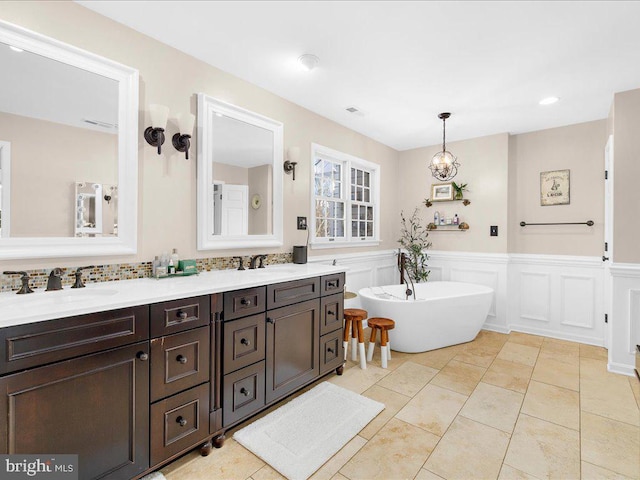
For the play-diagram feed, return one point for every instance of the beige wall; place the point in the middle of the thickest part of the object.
(626, 155)
(223, 172)
(484, 168)
(167, 199)
(578, 148)
(46, 160)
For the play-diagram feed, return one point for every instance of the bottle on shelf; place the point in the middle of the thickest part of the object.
(174, 258)
(436, 218)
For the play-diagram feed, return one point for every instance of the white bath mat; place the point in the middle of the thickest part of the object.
(299, 437)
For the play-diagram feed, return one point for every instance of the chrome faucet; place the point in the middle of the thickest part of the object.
(25, 288)
(254, 259)
(55, 280)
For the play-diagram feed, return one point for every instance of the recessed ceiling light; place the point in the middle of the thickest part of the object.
(16, 49)
(548, 101)
(308, 62)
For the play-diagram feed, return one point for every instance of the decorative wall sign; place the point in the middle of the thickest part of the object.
(554, 188)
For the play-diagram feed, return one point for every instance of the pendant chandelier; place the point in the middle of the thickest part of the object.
(444, 165)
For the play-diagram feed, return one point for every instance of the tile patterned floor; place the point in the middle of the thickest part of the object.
(501, 407)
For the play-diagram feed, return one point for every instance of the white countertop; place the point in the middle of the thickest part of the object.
(40, 305)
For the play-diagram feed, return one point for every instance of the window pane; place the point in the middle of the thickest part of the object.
(363, 212)
(318, 186)
(332, 230)
(359, 177)
(359, 194)
(322, 209)
(369, 213)
(366, 195)
(354, 229)
(336, 189)
(317, 168)
(337, 171)
(369, 229)
(339, 210)
(353, 176)
(339, 228)
(320, 228)
(361, 226)
(367, 179)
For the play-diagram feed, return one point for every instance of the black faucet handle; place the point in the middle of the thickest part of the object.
(24, 278)
(78, 274)
(241, 260)
(262, 259)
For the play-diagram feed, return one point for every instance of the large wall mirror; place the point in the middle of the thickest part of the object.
(68, 150)
(239, 177)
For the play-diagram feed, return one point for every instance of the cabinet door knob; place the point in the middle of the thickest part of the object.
(246, 342)
(330, 312)
(330, 350)
(182, 359)
(182, 315)
(245, 302)
(181, 421)
(271, 320)
(143, 356)
(245, 392)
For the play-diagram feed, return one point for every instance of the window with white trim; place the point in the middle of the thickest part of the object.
(344, 199)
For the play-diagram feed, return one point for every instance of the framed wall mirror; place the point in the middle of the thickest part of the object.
(239, 177)
(67, 117)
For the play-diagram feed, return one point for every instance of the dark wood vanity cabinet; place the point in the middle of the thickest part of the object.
(95, 405)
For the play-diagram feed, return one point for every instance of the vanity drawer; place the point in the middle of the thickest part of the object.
(35, 344)
(241, 303)
(331, 313)
(244, 342)
(179, 315)
(331, 351)
(287, 293)
(243, 393)
(179, 423)
(179, 362)
(331, 284)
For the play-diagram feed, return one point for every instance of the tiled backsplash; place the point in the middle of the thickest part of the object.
(126, 271)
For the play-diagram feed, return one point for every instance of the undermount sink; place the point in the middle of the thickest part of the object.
(59, 297)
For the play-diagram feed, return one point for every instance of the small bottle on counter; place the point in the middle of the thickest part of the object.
(154, 266)
(456, 220)
(436, 218)
(175, 258)
(171, 268)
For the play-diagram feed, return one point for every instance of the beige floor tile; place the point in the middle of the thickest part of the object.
(510, 473)
(635, 388)
(433, 409)
(408, 379)
(592, 367)
(358, 380)
(267, 473)
(478, 354)
(554, 404)
(559, 357)
(436, 358)
(518, 353)
(562, 347)
(393, 403)
(593, 472)
(526, 339)
(233, 461)
(335, 463)
(510, 375)
(459, 377)
(398, 451)
(487, 337)
(544, 449)
(427, 475)
(468, 450)
(610, 444)
(608, 395)
(591, 351)
(493, 406)
(557, 371)
(339, 476)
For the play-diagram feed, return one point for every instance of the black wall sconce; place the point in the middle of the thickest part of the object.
(293, 155)
(154, 135)
(182, 141)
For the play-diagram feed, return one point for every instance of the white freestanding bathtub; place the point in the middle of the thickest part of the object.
(443, 313)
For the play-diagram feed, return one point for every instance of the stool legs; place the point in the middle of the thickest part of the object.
(345, 336)
(363, 359)
(384, 337)
(354, 341)
(372, 344)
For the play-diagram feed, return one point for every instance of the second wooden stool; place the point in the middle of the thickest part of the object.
(353, 318)
(384, 325)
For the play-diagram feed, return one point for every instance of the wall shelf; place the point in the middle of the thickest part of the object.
(463, 227)
(428, 203)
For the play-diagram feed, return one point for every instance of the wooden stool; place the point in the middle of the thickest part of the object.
(353, 318)
(384, 325)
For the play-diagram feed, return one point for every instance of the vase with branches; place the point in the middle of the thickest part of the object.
(414, 239)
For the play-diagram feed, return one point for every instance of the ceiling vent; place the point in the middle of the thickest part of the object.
(355, 111)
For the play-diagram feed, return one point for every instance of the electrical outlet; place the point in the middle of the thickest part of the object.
(493, 230)
(302, 223)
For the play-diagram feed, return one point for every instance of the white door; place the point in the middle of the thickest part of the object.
(235, 210)
(608, 235)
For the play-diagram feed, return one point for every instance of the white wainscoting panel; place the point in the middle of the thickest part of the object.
(557, 296)
(624, 319)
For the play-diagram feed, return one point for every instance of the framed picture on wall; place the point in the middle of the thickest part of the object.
(441, 192)
(554, 188)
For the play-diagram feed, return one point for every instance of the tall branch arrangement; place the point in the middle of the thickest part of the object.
(414, 239)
